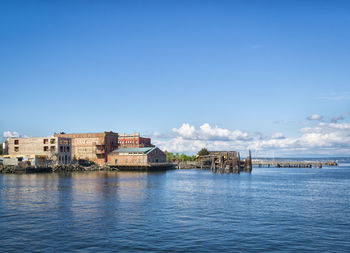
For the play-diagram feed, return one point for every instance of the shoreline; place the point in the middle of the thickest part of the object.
(9, 169)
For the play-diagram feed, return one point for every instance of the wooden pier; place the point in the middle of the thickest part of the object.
(284, 163)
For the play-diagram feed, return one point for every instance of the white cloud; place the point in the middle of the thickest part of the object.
(186, 131)
(322, 139)
(278, 136)
(207, 132)
(8, 134)
(315, 117)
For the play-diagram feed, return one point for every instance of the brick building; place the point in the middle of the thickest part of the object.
(133, 141)
(92, 146)
(57, 149)
(136, 156)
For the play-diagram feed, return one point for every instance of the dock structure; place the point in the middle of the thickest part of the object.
(225, 162)
(285, 163)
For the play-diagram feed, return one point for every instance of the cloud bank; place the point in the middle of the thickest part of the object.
(326, 139)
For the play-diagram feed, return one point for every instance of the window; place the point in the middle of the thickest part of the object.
(61, 148)
(52, 141)
(16, 149)
(46, 141)
(67, 149)
(52, 149)
(46, 148)
(16, 142)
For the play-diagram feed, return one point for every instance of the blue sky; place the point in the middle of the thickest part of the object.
(165, 67)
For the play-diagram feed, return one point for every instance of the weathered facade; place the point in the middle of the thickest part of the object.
(133, 141)
(92, 146)
(55, 149)
(146, 156)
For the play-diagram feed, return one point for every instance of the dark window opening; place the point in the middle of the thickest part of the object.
(16, 149)
(46, 148)
(16, 142)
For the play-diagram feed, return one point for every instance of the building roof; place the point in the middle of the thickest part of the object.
(84, 135)
(134, 150)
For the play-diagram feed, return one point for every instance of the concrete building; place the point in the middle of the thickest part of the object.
(135, 157)
(92, 146)
(133, 141)
(55, 149)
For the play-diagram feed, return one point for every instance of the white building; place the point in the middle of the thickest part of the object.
(54, 149)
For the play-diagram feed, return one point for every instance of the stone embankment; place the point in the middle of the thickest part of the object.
(55, 168)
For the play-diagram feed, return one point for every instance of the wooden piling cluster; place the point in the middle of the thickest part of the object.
(225, 162)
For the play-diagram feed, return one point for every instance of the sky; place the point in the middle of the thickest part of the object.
(270, 76)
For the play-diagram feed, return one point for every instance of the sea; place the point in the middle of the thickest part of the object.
(269, 210)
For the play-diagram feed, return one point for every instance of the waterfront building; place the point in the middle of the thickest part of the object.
(38, 149)
(92, 146)
(135, 157)
(133, 141)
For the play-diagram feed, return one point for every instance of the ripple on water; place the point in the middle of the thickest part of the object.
(270, 210)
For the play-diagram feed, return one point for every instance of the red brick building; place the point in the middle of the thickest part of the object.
(133, 141)
(92, 146)
(136, 157)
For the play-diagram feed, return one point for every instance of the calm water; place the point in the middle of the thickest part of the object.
(272, 209)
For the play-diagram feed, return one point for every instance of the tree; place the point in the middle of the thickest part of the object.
(52, 159)
(203, 151)
(1, 149)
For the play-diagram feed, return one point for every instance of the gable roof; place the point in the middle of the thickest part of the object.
(134, 150)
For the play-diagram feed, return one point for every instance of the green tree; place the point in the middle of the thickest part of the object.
(170, 157)
(1, 149)
(203, 151)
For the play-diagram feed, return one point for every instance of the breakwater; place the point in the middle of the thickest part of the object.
(285, 163)
(58, 168)
(81, 168)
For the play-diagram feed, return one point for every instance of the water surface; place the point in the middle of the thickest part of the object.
(272, 209)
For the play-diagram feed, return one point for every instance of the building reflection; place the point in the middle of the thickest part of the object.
(82, 197)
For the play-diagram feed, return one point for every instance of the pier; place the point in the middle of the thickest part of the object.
(224, 162)
(285, 163)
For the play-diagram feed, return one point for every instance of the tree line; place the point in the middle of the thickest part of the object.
(171, 157)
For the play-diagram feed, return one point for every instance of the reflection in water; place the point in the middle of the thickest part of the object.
(182, 210)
